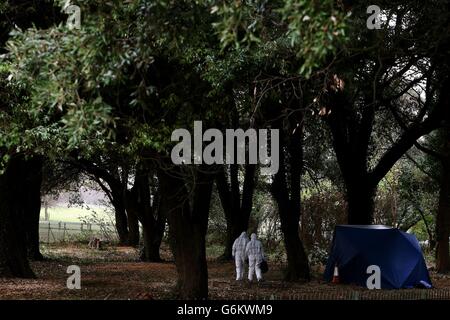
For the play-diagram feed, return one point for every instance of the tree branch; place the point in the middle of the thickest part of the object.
(399, 148)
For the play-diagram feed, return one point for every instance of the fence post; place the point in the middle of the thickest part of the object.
(423, 295)
(59, 225)
(64, 232)
(48, 234)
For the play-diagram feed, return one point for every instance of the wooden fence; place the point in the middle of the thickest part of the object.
(58, 231)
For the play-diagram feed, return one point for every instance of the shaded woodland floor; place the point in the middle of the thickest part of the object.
(115, 273)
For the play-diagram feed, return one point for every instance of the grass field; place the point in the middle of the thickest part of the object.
(69, 224)
(75, 214)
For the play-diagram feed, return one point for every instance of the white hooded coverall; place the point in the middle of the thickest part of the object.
(254, 252)
(238, 253)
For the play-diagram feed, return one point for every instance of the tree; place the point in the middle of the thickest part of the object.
(443, 213)
(32, 206)
(379, 81)
(13, 240)
(287, 195)
(237, 208)
(188, 222)
(286, 105)
(21, 179)
(143, 200)
(438, 168)
(107, 175)
(237, 205)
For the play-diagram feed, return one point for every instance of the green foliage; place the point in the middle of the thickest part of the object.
(312, 30)
(315, 29)
(86, 85)
(48, 64)
(406, 197)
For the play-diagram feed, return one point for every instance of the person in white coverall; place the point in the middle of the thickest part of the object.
(238, 253)
(255, 253)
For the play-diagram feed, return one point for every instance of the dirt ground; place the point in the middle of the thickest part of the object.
(115, 273)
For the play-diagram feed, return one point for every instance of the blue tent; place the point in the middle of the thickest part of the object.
(397, 253)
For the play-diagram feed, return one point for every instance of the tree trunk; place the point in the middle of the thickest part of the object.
(13, 249)
(298, 267)
(228, 207)
(443, 213)
(288, 200)
(121, 218)
(237, 212)
(248, 190)
(360, 202)
(188, 230)
(32, 205)
(351, 143)
(153, 233)
(139, 203)
(132, 219)
(133, 229)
